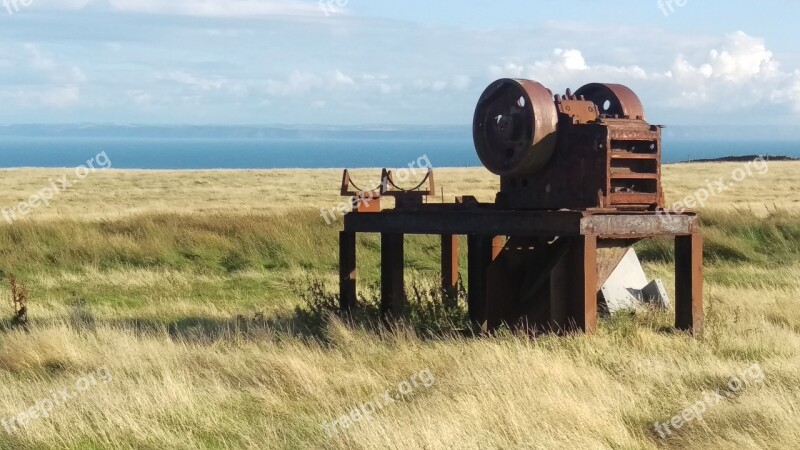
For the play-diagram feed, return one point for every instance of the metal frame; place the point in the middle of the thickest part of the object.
(582, 231)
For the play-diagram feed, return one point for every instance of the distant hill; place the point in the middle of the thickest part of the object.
(744, 158)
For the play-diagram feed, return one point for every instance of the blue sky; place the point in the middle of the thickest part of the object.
(356, 62)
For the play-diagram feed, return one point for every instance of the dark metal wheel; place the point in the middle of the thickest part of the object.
(613, 99)
(514, 128)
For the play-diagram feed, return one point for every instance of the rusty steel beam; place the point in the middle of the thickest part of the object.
(347, 271)
(450, 265)
(465, 222)
(689, 283)
(440, 221)
(631, 226)
(392, 276)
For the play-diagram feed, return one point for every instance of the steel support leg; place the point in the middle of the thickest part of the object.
(582, 301)
(480, 256)
(392, 283)
(347, 270)
(689, 283)
(450, 266)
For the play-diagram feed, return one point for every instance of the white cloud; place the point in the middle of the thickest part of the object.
(461, 82)
(737, 74)
(296, 83)
(742, 58)
(202, 8)
(301, 82)
(39, 61)
(457, 83)
(562, 65)
(380, 83)
(198, 82)
(56, 98)
(565, 60)
(46, 66)
(139, 97)
(61, 97)
(59, 4)
(340, 78)
(790, 94)
(741, 73)
(218, 8)
(44, 81)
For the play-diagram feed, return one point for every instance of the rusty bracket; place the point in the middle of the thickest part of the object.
(364, 201)
(387, 179)
(580, 111)
(369, 200)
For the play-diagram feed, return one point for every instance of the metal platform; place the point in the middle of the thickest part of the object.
(571, 274)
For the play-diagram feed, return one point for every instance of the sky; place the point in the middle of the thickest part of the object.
(389, 62)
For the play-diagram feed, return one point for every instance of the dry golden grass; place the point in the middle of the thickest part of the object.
(119, 193)
(194, 367)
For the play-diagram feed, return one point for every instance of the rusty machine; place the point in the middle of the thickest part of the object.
(580, 182)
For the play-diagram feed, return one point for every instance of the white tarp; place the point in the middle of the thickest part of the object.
(628, 288)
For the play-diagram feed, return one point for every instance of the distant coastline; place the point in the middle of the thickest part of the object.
(743, 158)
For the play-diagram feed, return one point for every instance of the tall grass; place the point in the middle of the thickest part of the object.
(218, 332)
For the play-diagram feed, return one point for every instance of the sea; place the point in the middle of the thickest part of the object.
(192, 148)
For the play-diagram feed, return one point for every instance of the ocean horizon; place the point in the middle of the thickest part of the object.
(196, 148)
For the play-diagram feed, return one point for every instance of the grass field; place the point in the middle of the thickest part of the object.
(194, 292)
